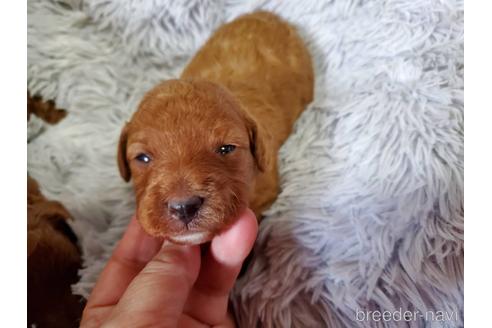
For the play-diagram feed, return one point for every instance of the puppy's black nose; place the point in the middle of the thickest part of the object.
(185, 209)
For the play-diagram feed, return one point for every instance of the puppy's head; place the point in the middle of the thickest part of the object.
(192, 154)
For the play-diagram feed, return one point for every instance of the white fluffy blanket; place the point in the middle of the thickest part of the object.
(370, 217)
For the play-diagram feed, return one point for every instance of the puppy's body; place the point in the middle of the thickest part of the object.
(263, 62)
(53, 261)
(203, 147)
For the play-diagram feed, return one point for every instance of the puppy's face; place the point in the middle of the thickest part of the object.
(192, 154)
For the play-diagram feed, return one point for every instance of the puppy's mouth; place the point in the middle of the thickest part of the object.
(189, 220)
(180, 226)
(191, 237)
(178, 232)
(190, 231)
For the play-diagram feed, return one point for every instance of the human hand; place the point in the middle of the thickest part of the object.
(149, 283)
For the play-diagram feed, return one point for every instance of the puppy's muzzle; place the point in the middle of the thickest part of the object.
(184, 209)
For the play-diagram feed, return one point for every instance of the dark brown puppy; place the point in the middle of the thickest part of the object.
(202, 148)
(53, 260)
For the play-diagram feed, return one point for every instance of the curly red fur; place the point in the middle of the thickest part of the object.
(246, 87)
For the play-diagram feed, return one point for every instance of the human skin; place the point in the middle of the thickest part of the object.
(151, 283)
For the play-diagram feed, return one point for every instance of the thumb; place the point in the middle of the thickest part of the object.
(158, 293)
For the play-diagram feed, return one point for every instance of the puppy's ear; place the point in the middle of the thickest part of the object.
(258, 139)
(122, 161)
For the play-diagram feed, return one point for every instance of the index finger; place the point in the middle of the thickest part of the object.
(135, 249)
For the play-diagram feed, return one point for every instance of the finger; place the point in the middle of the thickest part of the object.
(209, 298)
(134, 250)
(157, 295)
(186, 321)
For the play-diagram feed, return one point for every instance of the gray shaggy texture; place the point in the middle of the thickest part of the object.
(370, 216)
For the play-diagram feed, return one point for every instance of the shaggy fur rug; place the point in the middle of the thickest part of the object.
(370, 217)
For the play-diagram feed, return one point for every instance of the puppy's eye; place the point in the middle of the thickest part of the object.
(226, 149)
(144, 158)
